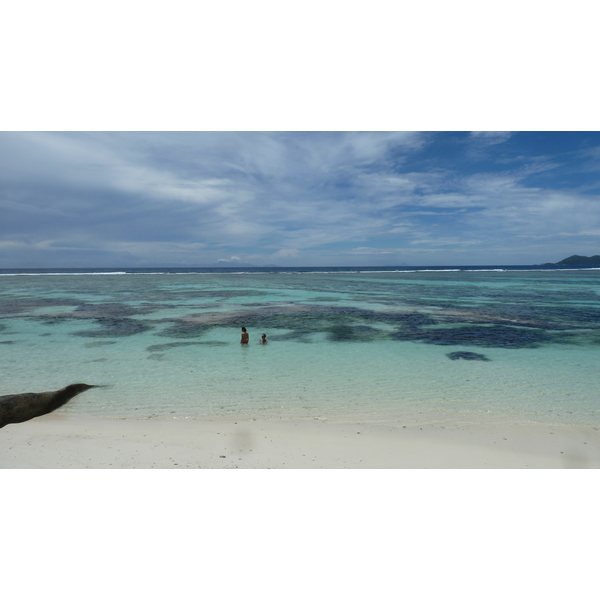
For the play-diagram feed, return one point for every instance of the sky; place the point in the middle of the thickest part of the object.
(143, 199)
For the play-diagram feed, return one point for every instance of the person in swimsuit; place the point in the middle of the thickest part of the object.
(245, 336)
(263, 339)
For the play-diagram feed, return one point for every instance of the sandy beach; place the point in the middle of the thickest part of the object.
(62, 441)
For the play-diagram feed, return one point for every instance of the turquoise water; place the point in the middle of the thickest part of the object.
(342, 345)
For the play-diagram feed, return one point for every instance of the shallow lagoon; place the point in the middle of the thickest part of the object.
(343, 345)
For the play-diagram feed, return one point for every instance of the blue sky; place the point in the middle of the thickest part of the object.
(105, 199)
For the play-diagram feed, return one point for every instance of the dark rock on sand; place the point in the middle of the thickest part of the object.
(16, 408)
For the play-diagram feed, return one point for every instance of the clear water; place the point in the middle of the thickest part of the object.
(369, 345)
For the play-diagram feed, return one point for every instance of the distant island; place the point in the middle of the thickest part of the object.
(579, 261)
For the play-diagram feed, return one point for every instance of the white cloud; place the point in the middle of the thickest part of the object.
(491, 137)
(372, 251)
(269, 195)
(286, 252)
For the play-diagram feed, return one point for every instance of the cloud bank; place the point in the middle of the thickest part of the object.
(296, 198)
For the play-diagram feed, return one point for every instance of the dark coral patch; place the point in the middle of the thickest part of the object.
(495, 336)
(51, 320)
(116, 310)
(352, 333)
(184, 330)
(19, 305)
(411, 320)
(294, 336)
(115, 328)
(467, 356)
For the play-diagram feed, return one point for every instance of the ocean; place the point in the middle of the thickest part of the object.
(432, 345)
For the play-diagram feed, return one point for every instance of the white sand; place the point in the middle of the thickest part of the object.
(59, 441)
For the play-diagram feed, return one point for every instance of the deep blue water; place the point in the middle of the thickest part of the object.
(184, 270)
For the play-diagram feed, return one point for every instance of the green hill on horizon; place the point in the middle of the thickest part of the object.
(580, 261)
